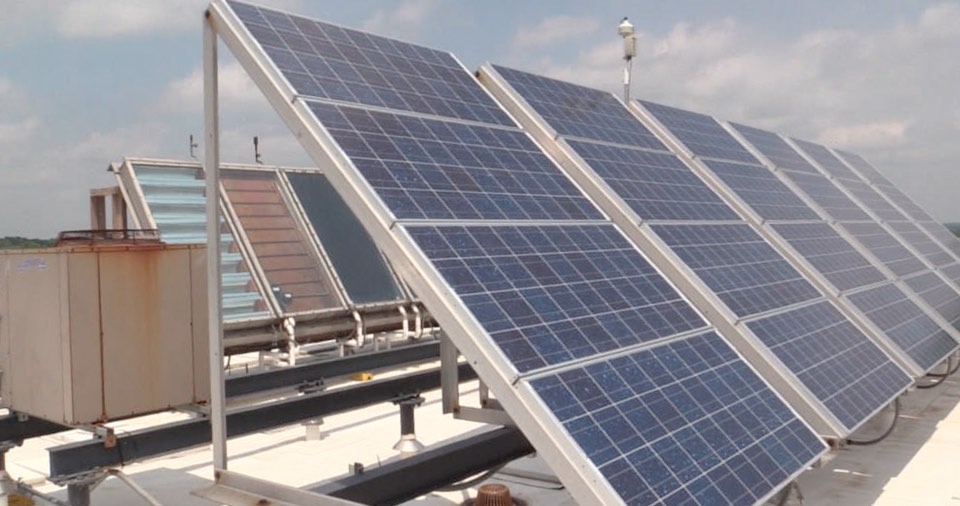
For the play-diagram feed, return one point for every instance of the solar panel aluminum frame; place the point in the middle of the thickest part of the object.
(857, 245)
(130, 185)
(517, 397)
(691, 287)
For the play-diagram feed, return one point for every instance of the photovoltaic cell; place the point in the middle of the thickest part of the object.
(943, 235)
(839, 364)
(329, 62)
(762, 191)
(919, 336)
(657, 186)
(952, 272)
(831, 254)
(551, 294)
(872, 200)
(775, 149)
(885, 247)
(702, 135)
(683, 423)
(578, 111)
(748, 275)
(833, 201)
(906, 203)
(431, 169)
(825, 159)
(867, 171)
(920, 241)
(938, 294)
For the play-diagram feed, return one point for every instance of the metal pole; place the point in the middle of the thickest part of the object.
(627, 67)
(211, 166)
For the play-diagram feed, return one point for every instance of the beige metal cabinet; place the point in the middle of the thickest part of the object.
(93, 333)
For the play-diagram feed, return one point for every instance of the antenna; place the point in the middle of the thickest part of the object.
(626, 31)
(256, 150)
(193, 147)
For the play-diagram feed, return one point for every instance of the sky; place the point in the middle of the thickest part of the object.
(84, 83)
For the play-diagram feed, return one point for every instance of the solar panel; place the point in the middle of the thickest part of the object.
(872, 200)
(432, 169)
(917, 238)
(775, 149)
(551, 294)
(284, 252)
(867, 171)
(702, 135)
(738, 265)
(830, 254)
(938, 294)
(885, 247)
(762, 191)
(657, 186)
(578, 111)
(326, 61)
(830, 198)
(838, 363)
(905, 324)
(906, 203)
(952, 272)
(680, 433)
(943, 235)
(361, 268)
(548, 298)
(826, 160)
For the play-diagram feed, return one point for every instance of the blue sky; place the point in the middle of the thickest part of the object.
(85, 82)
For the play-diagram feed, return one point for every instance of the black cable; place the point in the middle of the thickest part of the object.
(896, 415)
(949, 372)
(940, 377)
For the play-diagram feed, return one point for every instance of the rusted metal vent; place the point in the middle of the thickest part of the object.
(120, 236)
(493, 494)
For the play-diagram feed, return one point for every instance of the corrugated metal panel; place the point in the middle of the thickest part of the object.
(176, 200)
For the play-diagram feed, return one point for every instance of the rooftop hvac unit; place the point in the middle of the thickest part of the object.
(102, 331)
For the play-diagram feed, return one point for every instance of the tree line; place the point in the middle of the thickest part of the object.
(16, 242)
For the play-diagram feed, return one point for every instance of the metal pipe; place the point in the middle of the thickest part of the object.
(211, 162)
(78, 494)
(406, 322)
(361, 338)
(417, 321)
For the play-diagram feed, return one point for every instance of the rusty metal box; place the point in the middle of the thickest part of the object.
(95, 333)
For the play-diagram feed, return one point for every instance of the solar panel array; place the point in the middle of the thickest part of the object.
(851, 202)
(731, 260)
(557, 290)
(578, 332)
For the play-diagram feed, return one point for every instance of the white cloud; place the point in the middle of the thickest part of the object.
(186, 94)
(865, 135)
(554, 29)
(405, 20)
(111, 18)
(18, 131)
(115, 18)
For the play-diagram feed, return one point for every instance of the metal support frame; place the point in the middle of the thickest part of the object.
(76, 460)
(211, 167)
(408, 478)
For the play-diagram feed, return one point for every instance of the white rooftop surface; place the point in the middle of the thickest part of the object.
(916, 465)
